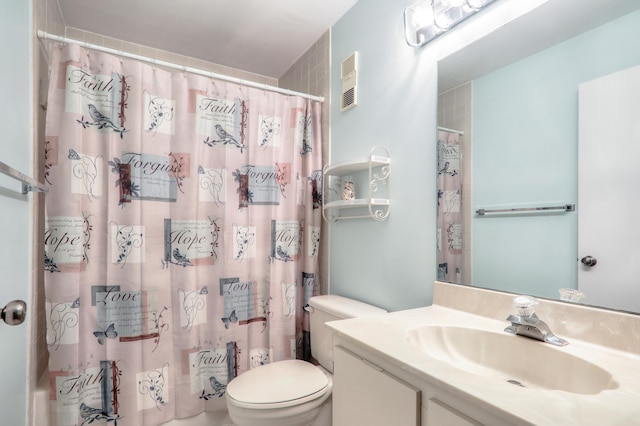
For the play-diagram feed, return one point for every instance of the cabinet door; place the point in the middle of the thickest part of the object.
(439, 413)
(365, 394)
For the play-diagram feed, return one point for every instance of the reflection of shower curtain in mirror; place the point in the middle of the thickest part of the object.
(183, 226)
(450, 230)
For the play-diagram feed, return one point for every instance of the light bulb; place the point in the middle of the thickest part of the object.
(473, 4)
(442, 21)
(422, 15)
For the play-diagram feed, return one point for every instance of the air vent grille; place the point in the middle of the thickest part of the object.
(349, 76)
(348, 99)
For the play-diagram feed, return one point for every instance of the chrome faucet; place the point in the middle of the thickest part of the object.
(526, 323)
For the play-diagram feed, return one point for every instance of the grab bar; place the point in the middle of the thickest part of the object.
(566, 208)
(28, 184)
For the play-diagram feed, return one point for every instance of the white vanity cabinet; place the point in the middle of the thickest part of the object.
(365, 394)
(373, 391)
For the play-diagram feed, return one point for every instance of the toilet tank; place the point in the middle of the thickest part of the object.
(332, 308)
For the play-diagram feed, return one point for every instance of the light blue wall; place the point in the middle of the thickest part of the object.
(526, 124)
(15, 248)
(390, 264)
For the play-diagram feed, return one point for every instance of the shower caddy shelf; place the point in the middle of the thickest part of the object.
(377, 169)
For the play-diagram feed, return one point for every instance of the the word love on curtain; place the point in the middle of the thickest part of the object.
(450, 255)
(181, 240)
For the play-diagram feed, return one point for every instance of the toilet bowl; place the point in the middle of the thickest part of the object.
(295, 392)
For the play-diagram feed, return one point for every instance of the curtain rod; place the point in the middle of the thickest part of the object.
(248, 83)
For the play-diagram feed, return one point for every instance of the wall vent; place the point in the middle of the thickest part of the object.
(349, 76)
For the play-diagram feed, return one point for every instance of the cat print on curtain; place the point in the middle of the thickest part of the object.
(450, 227)
(181, 237)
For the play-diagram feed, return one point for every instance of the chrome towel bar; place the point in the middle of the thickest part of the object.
(28, 184)
(566, 208)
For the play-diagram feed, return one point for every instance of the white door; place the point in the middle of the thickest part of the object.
(609, 190)
(15, 209)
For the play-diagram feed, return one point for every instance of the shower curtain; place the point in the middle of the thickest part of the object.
(450, 227)
(181, 237)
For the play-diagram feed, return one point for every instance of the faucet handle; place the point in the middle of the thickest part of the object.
(524, 305)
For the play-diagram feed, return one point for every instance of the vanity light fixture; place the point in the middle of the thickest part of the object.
(427, 19)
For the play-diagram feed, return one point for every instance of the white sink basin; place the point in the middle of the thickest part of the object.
(518, 360)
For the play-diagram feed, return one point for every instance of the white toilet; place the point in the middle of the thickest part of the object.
(294, 392)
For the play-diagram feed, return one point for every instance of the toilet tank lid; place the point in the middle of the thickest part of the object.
(343, 307)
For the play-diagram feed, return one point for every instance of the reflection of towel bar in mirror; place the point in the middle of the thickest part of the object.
(566, 208)
(28, 184)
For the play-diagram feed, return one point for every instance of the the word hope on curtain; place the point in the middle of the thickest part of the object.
(181, 237)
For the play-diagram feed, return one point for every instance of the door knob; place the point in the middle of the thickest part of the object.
(589, 260)
(15, 312)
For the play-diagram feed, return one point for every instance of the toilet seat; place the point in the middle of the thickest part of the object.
(278, 385)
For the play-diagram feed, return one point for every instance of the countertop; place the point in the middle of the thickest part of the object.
(385, 336)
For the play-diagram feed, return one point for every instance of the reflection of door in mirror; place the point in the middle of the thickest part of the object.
(608, 225)
(454, 183)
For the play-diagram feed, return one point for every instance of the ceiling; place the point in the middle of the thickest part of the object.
(259, 36)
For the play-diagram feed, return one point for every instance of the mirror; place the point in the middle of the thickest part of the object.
(514, 95)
